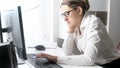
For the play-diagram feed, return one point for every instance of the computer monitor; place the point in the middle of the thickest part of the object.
(1, 36)
(14, 25)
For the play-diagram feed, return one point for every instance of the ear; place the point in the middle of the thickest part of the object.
(80, 10)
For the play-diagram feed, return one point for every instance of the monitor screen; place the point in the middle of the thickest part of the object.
(14, 23)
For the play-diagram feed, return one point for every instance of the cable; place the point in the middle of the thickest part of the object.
(32, 8)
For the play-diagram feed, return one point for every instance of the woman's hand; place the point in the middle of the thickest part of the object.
(71, 29)
(50, 57)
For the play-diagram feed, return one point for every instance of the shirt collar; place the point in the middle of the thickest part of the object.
(85, 20)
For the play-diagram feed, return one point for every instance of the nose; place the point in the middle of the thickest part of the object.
(65, 18)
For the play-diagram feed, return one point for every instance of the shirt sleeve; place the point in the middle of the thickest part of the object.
(69, 44)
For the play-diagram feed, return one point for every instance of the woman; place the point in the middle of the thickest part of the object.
(87, 33)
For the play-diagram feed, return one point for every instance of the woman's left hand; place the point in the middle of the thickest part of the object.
(48, 56)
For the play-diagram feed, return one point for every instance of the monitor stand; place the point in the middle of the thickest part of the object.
(19, 60)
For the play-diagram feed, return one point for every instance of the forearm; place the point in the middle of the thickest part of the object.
(75, 60)
(69, 44)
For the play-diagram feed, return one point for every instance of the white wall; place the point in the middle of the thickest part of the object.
(55, 20)
(41, 23)
(4, 4)
(113, 24)
(40, 19)
(98, 5)
(62, 25)
(62, 29)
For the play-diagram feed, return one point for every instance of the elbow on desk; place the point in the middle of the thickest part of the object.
(76, 61)
(87, 62)
(90, 61)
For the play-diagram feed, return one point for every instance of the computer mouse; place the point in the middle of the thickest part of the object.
(41, 61)
(40, 47)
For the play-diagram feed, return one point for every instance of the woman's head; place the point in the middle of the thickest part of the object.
(84, 4)
(73, 11)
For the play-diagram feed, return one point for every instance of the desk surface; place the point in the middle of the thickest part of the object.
(64, 66)
(54, 51)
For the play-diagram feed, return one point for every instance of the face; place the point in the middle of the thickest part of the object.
(71, 16)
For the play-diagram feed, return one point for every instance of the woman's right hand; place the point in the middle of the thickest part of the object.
(48, 56)
(71, 29)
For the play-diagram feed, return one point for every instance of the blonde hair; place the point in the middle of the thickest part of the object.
(84, 4)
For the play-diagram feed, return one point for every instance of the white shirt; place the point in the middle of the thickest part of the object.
(94, 44)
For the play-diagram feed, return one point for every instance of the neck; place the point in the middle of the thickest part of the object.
(79, 21)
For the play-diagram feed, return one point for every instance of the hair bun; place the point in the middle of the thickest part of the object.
(86, 3)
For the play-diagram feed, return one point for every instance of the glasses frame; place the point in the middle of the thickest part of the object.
(66, 14)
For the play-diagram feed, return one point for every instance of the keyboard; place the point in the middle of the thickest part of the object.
(34, 62)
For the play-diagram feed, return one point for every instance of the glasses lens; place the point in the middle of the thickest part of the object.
(66, 14)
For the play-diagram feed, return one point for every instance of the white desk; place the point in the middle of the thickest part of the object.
(56, 51)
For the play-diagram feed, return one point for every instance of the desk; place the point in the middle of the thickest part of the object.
(55, 51)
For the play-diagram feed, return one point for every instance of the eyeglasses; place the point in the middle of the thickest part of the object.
(66, 14)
